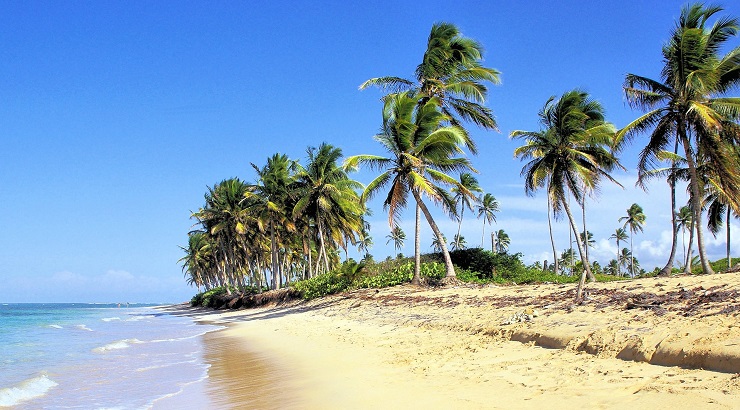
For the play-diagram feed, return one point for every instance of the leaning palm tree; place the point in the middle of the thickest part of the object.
(397, 236)
(487, 208)
(569, 156)
(635, 219)
(422, 151)
(450, 71)
(619, 235)
(464, 197)
(690, 104)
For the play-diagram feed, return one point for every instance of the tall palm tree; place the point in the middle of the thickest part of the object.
(464, 197)
(272, 200)
(487, 208)
(619, 235)
(685, 218)
(569, 156)
(223, 218)
(450, 71)
(502, 241)
(397, 236)
(690, 105)
(328, 199)
(635, 219)
(422, 151)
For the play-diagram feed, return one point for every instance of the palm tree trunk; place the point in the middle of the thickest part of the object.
(493, 242)
(695, 199)
(552, 238)
(632, 257)
(450, 269)
(619, 268)
(483, 235)
(416, 280)
(729, 260)
(273, 257)
(459, 222)
(668, 268)
(586, 268)
(589, 276)
(687, 267)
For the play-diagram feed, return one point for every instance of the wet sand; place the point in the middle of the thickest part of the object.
(407, 347)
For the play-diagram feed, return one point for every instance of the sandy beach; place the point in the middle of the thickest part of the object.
(661, 343)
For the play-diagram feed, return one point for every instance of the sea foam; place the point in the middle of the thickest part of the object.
(26, 390)
(120, 344)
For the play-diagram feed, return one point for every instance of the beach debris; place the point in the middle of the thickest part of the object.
(527, 315)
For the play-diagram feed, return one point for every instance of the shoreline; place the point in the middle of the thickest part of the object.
(449, 347)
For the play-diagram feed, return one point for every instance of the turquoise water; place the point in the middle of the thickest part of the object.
(88, 356)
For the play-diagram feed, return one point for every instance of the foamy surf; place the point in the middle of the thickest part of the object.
(110, 319)
(120, 344)
(26, 390)
(83, 327)
(55, 326)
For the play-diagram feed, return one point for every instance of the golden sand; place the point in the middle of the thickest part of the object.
(409, 347)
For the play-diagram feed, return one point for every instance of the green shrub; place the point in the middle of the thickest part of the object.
(322, 285)
(207, 298)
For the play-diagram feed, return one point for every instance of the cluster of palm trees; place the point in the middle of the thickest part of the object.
(290, 224)
(294, 221)
(688, 108)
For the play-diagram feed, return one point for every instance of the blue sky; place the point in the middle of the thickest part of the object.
(116, 116)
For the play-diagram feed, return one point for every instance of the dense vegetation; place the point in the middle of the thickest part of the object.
(291, 226)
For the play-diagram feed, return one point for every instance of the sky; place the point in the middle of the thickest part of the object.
(117, 116)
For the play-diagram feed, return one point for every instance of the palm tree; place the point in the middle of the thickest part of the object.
(458, 243)
(587, 239)
(502, 241)
(684, 218)
(463, 195)
(272, 202)
(223, 218)
(397, 236)
(690, 104)
(197, 264)
(624, 258)
(451, 71)
(619, 235)
(421, 152)
(568, 258)
(569, 157)
(635, 219)
(487, 208)
(328, 199)
(437, 244)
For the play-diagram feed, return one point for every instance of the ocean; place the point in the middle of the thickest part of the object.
(96, 356)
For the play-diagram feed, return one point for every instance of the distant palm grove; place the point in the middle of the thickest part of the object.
(297, 221)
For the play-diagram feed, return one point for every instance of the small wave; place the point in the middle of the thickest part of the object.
(55, 326)
(26, 390)
(121, 344)
(83, 327)
(110, 319)
(162, 366)
(137, 318)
